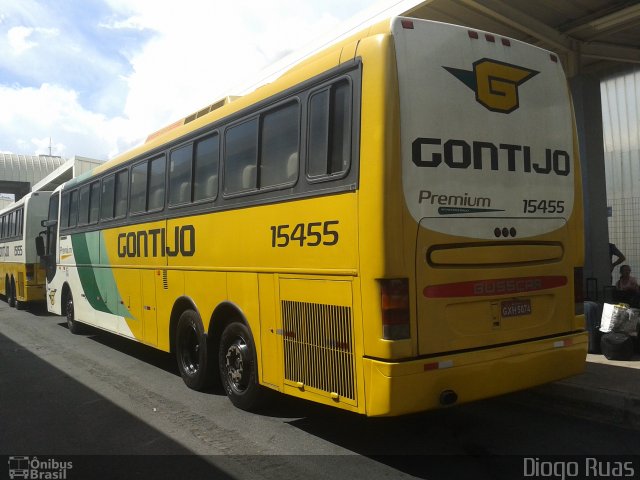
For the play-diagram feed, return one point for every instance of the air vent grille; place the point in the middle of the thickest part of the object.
(318, 347)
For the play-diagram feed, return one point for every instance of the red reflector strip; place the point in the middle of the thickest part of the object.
(473, 34)
(489, 38)
(500, 286)
(506, 42)
(407, 24)
(438, 365)
(563, 343)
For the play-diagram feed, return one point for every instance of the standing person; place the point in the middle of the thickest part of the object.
(614, 252)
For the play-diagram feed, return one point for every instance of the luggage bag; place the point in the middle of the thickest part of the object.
(617, 346)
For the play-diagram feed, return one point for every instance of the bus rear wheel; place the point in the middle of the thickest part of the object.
(238, 367)
(74, 326)
(192, 353)
(12, 295)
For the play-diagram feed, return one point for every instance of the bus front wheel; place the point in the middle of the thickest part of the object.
(192, 352)
(74, 326)
(238, 367)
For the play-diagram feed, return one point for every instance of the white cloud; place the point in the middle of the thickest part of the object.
(194, 54)
(18, 38)
(207, 50)
(31, 116)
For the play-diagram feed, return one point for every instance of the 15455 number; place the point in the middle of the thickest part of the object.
(310, 234)
(544, 206)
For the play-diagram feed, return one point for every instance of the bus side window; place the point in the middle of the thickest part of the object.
(106, 205)
(138, 188)
(157, 170)
(73, 208)
(64, 210)
(83, 208)
(94, 202)
(279, 137)
(19, 222)
(206, 159)
(180, 175)
(241, 157)
(330, 131)
(12, 224)
(121, 187)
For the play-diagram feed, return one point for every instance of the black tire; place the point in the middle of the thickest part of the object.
(239, 368)
(12, 295)
(192, 352)
(7, 290)
(75, 327)
(20, 305)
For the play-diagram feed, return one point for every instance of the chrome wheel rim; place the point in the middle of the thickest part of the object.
(190, 350)
(237, 365)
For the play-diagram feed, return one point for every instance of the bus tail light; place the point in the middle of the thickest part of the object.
(395, 308)
(578, 290)
(30, 273)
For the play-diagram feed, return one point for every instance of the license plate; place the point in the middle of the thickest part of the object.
(515, 308)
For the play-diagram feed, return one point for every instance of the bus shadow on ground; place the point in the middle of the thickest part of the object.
(137, 350)
(48, 414)
(419, 445)
(38, 309)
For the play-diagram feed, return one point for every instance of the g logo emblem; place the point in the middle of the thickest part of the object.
(495, 83)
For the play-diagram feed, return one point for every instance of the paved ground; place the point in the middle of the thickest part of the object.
(608, 391)
(67, 395)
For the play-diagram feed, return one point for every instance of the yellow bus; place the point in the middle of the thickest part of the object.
(23, 278)
(393, 225)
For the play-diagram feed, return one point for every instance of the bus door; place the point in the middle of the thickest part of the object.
(46, 242)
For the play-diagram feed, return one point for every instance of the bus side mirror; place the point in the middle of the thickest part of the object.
(40, 250)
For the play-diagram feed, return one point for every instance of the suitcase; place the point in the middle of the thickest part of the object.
(616, 346)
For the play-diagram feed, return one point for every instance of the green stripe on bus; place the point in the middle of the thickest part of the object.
(96, 282)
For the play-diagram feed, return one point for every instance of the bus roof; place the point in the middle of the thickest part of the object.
(316, 63)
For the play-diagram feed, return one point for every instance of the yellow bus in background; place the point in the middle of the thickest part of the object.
(393, 225)
(22, 277)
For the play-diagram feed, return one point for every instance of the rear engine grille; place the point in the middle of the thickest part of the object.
(318, 347)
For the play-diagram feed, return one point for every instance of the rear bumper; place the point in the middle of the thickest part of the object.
(413, 386)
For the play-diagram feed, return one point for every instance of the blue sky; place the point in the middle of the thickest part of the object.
(97, 76)
(68, 43)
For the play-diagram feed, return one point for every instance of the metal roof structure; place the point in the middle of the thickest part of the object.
(591, 36)
(72, 168)
(18, 173)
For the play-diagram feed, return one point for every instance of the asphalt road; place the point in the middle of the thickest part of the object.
(120, 410)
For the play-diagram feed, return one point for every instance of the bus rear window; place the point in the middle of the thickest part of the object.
(330, 131)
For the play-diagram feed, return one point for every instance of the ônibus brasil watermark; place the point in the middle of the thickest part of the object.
(33, 468)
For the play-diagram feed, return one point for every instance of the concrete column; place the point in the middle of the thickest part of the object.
(588, 108)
